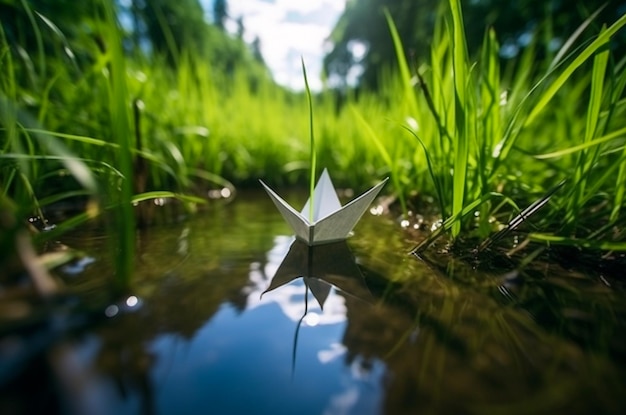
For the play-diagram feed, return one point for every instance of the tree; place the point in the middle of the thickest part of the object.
(363, 23)
(240, 27)
(220, 13)
(256, 50)
(173, 25)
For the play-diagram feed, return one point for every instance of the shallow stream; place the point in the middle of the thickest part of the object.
(229, 316)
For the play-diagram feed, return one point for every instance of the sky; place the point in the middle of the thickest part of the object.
(288, 30)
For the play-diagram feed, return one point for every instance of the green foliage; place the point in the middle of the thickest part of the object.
(478, 138)
(481, 136)
(364, 22)
(170, 26)
(463, 107)
(59, 110)
(220, 13)
(119, 117)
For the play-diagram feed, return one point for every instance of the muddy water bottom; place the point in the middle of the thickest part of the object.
(228, 315)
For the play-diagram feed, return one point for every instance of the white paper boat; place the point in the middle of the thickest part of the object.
(331, 222)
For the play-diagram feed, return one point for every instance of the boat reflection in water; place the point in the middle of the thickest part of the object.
(321, 268)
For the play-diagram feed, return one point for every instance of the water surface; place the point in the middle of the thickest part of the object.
(229, 316)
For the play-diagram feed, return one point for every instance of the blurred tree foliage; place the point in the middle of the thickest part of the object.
(220, 13)
(363, 24)
(170, 25)
(165, 28)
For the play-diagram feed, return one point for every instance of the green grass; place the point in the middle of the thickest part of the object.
(481, 138)
(312, 155)
(124, 217)
(484, 138)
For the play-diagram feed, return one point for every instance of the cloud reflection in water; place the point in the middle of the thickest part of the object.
(297, 270)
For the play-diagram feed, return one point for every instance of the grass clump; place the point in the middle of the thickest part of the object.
(482, 138)
(492, 144)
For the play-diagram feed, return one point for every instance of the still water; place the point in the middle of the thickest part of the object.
(228, 315)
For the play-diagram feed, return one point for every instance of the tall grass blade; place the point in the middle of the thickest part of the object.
(556, 85)
(461, 145)
(93, 211)
(439, 189)
(41, 54)
(617, 134)
(490, 105)
(405, 73)
(61, 36)
(620, 185)
(312, 153)
(167, 34)
(391, 162)
(120, 123)
(581, 243)
(26, 124)
(588, 156)
(572, 38)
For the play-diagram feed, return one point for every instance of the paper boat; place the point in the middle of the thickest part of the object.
(331, 222)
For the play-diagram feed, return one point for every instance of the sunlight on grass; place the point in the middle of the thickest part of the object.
(478, 135)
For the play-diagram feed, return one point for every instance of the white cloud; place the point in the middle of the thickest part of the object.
(288, 30)
(286, 43)
(334, 351)
(344, 402)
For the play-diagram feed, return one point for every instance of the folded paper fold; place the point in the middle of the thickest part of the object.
(330, 221)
